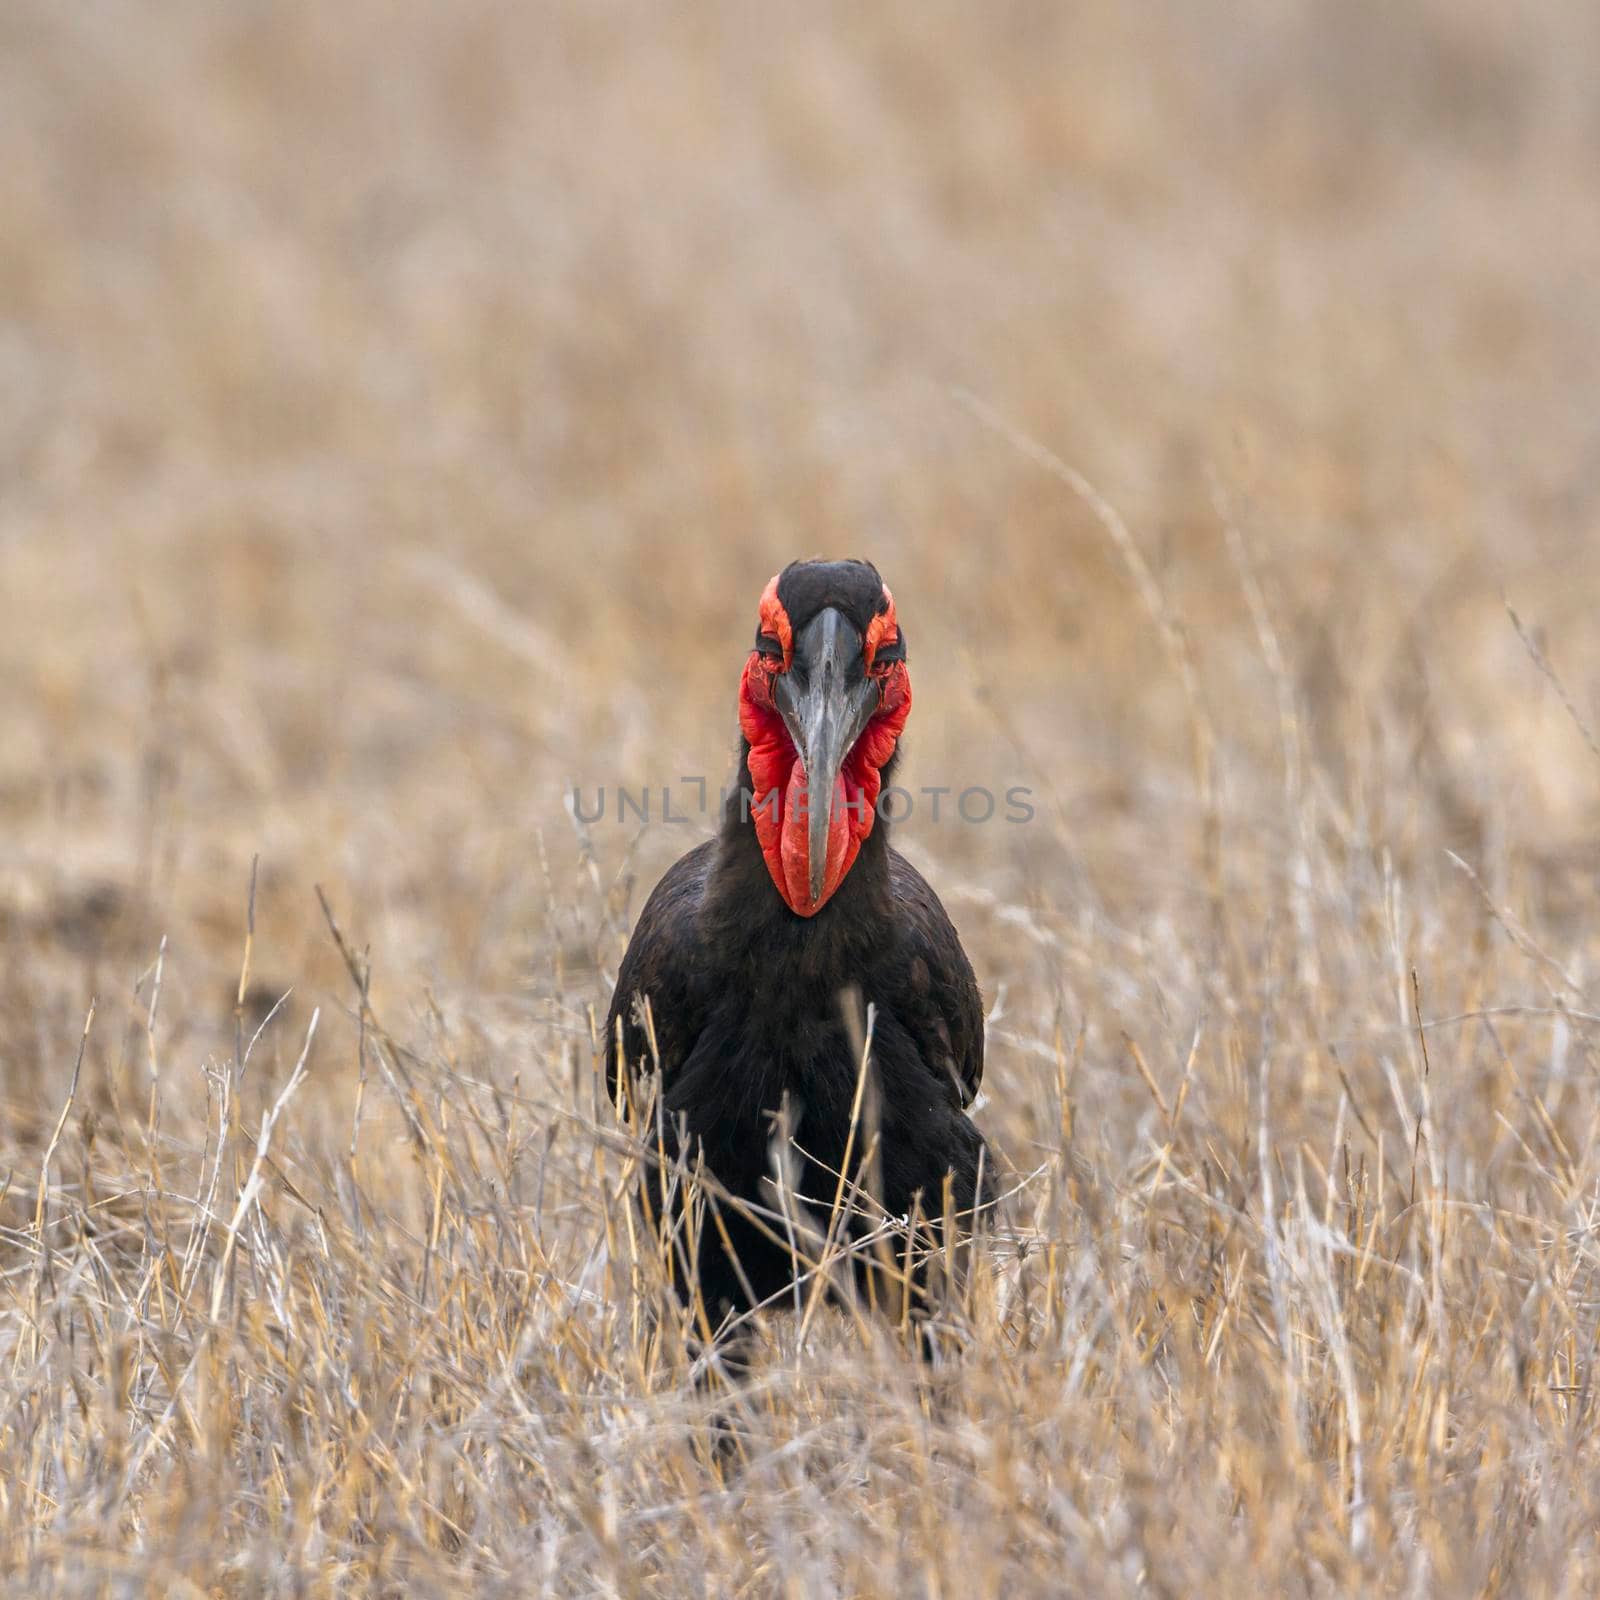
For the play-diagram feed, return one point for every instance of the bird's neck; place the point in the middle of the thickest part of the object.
(743, 898)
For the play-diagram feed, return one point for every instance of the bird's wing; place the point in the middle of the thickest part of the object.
(657, 968)
(940, 1000)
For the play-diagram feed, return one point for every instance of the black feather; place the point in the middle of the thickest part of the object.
(750, 1010)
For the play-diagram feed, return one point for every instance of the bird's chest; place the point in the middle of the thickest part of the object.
(757, 1065)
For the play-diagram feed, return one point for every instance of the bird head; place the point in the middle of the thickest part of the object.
(823, 699)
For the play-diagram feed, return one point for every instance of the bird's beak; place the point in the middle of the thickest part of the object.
(825, 699)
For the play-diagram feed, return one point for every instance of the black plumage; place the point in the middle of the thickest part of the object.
(756, 1010)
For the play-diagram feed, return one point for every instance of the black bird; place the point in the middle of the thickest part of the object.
(759, 951)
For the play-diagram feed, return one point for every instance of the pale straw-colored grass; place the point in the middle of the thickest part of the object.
(400, 411)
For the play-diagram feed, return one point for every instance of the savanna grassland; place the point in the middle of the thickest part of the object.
(401, 409)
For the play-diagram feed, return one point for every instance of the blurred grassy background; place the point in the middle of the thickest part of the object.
(401, 409)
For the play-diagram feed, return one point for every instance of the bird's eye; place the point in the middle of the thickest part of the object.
(890, 649)
(768, 646)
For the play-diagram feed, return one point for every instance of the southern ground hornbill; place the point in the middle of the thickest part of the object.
(753, 965)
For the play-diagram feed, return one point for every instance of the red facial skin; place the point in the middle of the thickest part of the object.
(778, 775)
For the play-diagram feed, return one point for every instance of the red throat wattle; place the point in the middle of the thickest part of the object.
(780, 801)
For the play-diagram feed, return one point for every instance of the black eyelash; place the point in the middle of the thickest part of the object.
(767, 645)
(891, 649)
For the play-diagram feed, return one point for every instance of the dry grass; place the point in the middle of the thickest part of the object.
(400, 410)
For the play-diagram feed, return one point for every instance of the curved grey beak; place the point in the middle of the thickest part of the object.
(825, 700)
